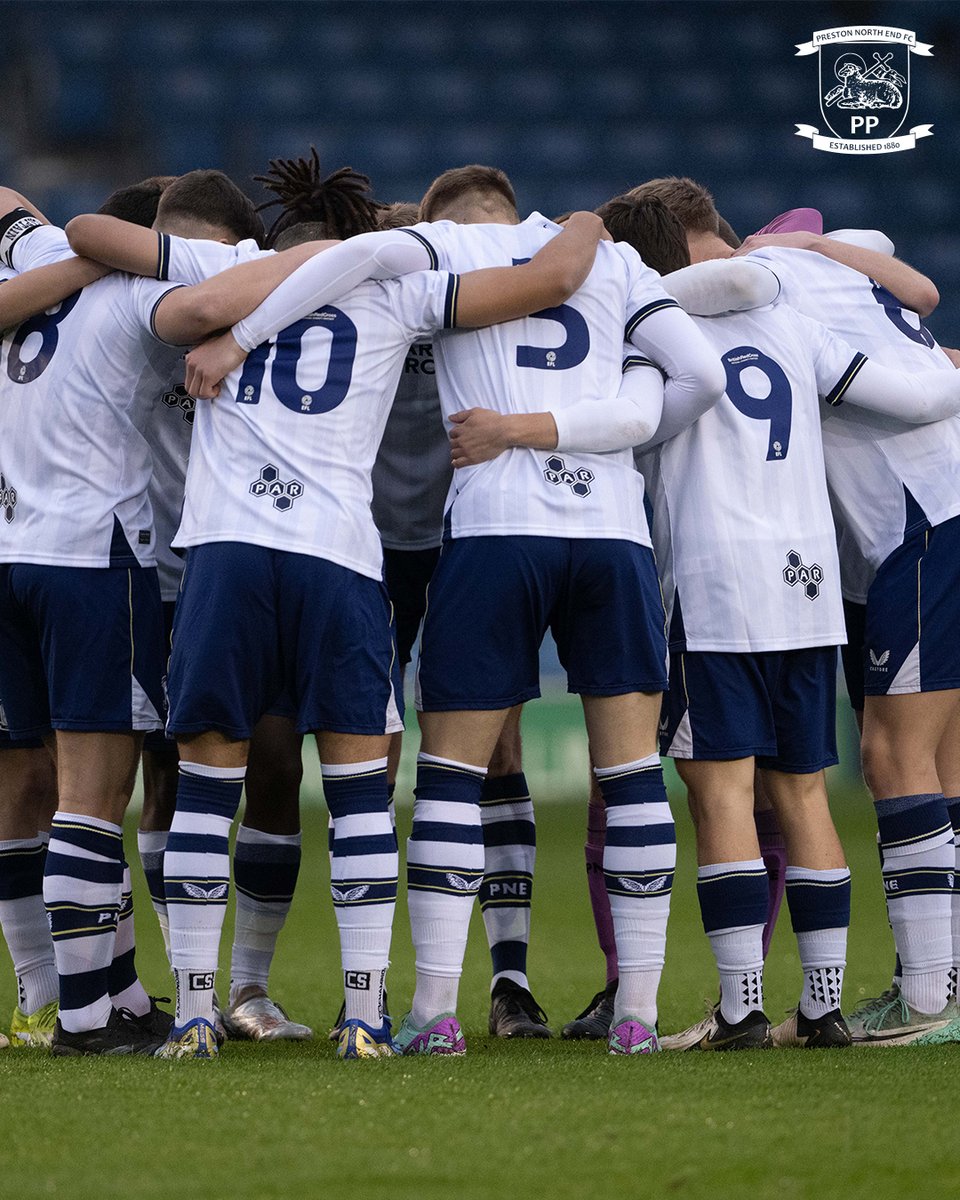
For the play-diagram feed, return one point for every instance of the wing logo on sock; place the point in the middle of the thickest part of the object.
(354, 893)
(198, 893)
(463, 885)
(634, 885)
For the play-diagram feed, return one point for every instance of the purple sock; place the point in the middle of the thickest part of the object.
(773, 851)
(599, 900)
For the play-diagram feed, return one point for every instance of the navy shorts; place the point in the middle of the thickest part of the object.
(254, 623)
(9, 743)
(158, 741)
(407, 573)
(778, 707)
(492, 599)
(81, 649)
(910, 637)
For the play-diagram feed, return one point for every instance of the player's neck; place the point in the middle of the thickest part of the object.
(192, 227)
(478, 213)
(704, 246)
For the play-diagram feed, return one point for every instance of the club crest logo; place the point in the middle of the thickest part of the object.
(864, 89)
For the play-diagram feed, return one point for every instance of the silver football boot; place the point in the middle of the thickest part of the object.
(260, 1019)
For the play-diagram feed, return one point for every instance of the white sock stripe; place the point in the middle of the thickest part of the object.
(63, 818)
(342, 770)
(224, 774)
(363, 868)
(639, 814)
(445, 854)
(446, 811)
(247, 835)
(196, 866)
(808, 875)
(623, 859)
(71, 850)
(746, 867)
(21, 845)
(507, 810)
(205, 823)
(640, 764)
(433, 760)
(362, 825)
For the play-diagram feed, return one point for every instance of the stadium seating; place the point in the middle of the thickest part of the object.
(575, 100)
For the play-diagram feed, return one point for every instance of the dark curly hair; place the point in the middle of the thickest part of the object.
(341, 203)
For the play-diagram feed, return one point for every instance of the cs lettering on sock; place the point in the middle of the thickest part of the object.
(201, 981)
(358, 980)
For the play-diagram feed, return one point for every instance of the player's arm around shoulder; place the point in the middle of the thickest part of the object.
(186, 315)
(35, 291)
(722, 285)
(913, 289)
(120, 244)
(554, 273)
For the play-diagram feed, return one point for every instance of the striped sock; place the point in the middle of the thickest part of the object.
(151, 844)
(444, 874)
(196, 877)
(24, 922)
(509, 854)
(126, 990)
(638, 863)
(819, 903)
(265, 870)
(82, 883)
(363, 881)
(733, 905)
(919, 859)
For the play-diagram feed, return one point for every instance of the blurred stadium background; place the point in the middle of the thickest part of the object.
(576, 101)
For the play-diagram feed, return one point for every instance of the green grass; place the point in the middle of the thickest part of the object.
(559, 1119)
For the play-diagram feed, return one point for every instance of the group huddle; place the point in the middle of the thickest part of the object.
(703, 466)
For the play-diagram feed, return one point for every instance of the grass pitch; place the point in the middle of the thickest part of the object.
(545, 1118)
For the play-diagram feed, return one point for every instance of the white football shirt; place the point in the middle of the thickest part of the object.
(283, 457)
(871, 458)
(169, 421)
(742, 525)
(76, 385)
(549, 361)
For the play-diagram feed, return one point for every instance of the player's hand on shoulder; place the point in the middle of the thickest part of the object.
(478, 434)
(589, 224)
(800, 240)
(210, 363)
(953, 355)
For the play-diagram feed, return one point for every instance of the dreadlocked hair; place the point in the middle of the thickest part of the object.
(341, 203)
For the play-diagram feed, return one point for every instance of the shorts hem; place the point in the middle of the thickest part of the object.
(774, 764)
(232, 732)
(10, 740)
(479, 705)
(105, 726)
(355, 730)
(945, 685)
(625, 689)
(725, 755)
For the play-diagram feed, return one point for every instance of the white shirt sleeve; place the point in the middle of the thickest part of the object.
(40, 247)
(329, 275)
(617, 423)
(844, 375)
(192, 260)
(424, 301)
(144, 296)
(722, 285)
